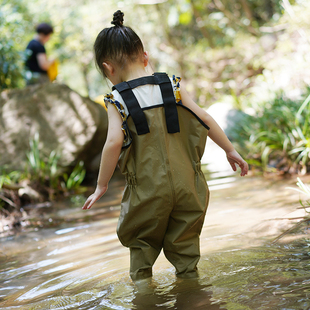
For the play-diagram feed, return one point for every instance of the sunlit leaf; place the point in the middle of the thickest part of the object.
(185, 18)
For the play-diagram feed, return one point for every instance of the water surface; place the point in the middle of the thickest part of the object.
(78, 262)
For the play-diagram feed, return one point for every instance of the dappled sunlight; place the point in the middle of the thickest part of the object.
(247, 64)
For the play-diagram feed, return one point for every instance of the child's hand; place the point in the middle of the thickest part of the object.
(234, 158)
(94, 197)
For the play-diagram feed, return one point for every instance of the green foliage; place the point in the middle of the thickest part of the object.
(275, 137)
(221, 48)
(14, 25)
(10, 61)
(304, 189)
(45, 169)
(43, 173)
(188, 32)
(74, 180)
(10, 178)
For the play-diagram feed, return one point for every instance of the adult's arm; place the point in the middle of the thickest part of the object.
(43, 62)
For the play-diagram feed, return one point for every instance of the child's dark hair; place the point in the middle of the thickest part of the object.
(44, 28)
(117, 43)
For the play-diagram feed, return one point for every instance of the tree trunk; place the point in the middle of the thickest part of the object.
(247, 10)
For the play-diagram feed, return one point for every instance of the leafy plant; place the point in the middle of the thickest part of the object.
(15, 25)
(10, 63)
(42, 167)
(275, 138)
(9, 178)
(44, 173)
(46, 170)
(7, 182)
(304, 189)
(74, 180)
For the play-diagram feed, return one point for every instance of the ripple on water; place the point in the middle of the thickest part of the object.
(259, 278)
(268, 277)
(85, 267)
(69, 229)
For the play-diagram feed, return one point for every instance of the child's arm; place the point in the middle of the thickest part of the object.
(109, 158)
(216, 133)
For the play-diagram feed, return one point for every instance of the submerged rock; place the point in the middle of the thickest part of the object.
(73, 125)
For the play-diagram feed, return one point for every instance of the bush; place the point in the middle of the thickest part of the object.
(15, 29)
(277, 136)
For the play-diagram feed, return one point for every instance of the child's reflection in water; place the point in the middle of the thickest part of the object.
(183, 294)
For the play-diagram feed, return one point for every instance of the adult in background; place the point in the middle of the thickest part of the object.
(37, 62)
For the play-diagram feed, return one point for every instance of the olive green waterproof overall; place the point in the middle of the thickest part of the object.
(166, 195)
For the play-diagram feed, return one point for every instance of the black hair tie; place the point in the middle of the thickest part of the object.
(118, 18)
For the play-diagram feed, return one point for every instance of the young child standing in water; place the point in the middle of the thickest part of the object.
(157, 134)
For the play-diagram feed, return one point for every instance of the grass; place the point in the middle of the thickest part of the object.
(304, 189)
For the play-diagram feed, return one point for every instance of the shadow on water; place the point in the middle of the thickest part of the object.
(79, 263)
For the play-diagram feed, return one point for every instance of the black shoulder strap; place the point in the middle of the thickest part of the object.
(134, 108)
(171, 112)
(139, 119)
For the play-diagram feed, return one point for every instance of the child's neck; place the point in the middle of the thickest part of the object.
(134, 71)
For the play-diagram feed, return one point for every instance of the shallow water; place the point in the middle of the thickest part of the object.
(78, 263)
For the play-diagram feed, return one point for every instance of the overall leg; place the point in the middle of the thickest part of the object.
(141, 227)
(142, 259)
(181, 242)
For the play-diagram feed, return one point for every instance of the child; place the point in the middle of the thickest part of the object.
(158, 135)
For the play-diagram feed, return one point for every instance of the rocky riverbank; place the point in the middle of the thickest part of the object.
(50, 137)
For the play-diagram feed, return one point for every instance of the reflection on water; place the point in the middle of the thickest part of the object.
(80, 264)
(275, 277)
(94, 276)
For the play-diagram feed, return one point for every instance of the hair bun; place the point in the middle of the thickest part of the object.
(118, 18)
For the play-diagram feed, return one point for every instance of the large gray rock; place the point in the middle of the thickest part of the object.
(65, 121)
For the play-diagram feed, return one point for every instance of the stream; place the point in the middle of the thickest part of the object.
(77, 262)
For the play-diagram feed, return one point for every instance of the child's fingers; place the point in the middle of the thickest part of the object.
(232, 163)
(234, 158)
(89, 202)
(233, 166)
(94, 197)
(85, 206)
(244, 168)
(242, 164)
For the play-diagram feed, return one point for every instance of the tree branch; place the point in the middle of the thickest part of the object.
(203, 30)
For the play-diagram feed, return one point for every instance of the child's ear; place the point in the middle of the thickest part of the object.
(145, 58)
(108, 68)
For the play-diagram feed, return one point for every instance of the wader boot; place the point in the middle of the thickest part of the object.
(166, 195)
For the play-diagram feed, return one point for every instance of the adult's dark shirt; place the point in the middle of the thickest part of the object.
(34, 48)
